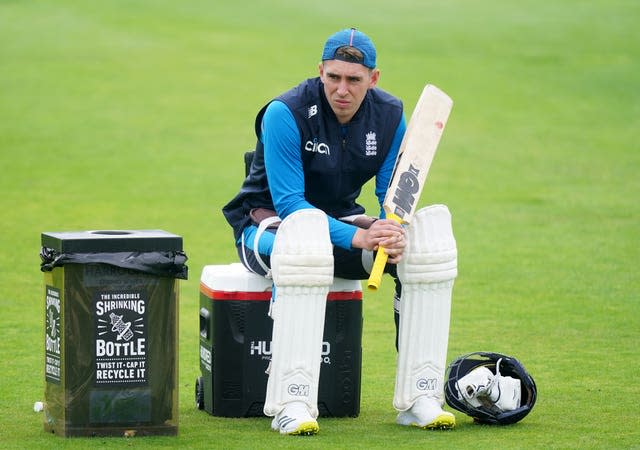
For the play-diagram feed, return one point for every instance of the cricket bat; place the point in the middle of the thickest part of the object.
(416, 153)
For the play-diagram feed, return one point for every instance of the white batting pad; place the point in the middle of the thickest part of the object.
(302, 267)
(427, 271)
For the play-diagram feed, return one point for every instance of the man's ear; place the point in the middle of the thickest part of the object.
(375, 76)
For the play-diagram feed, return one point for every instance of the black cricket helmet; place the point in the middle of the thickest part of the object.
(508, 366)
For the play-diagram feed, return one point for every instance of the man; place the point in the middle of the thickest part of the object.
(296, 219)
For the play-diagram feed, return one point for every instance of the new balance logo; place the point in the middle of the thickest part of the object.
(312, 111)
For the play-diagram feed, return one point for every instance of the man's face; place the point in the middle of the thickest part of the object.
(345, 86)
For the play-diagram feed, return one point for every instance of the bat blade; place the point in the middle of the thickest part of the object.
(415, 156)
(416, 153)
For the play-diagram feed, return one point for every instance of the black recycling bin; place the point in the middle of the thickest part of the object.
(111, 332)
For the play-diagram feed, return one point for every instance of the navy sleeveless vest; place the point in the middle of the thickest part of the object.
(337, 160)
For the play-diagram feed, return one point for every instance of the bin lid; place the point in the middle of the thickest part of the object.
(111, 241)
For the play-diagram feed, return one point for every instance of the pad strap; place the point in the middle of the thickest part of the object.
(256, 241)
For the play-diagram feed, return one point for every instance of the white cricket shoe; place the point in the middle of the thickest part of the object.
(295, 420)
(427, 413)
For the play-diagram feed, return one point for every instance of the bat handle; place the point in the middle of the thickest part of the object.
(375, 277)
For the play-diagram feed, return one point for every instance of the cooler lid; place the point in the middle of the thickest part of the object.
(236, 278)
(233, 278)
(112, 241)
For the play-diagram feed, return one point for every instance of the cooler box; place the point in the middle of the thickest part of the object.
(111, 332)
(235, 344)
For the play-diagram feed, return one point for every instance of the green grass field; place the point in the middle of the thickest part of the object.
(135, 115)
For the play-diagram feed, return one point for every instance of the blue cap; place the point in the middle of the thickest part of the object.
(351, 37)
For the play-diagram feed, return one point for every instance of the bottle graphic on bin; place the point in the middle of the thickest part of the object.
(123, 329)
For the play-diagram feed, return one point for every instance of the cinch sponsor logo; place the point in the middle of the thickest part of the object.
(317, 147)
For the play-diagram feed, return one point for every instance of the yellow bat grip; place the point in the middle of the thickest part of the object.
(375, 277)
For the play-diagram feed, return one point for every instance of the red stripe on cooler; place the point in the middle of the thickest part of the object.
(266, 295)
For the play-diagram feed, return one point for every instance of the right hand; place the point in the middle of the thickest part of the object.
(384, 232)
